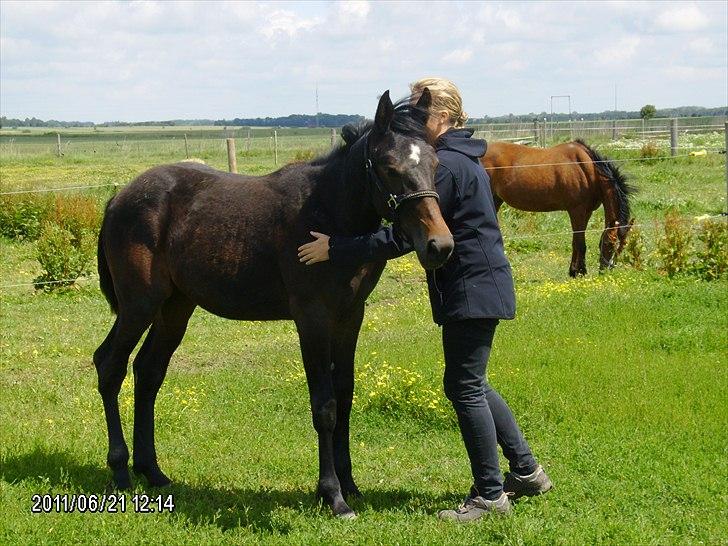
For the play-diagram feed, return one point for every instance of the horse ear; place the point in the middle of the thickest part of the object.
(385, 113)
(349, 133)
(425, 100)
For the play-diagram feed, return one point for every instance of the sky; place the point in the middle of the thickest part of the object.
(135, 61)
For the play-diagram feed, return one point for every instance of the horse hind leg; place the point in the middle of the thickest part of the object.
(579, 220)
(111, 360)
(150, 369)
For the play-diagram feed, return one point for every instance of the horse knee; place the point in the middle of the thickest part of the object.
(324, 417)
(110, 378)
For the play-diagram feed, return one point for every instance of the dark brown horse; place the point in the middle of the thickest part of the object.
(571, 177)
(185, 235)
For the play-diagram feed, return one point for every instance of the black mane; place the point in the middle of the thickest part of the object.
(610, 171)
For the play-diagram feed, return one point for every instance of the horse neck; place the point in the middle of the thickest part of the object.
(345, 198)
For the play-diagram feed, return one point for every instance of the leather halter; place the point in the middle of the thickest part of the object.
(393, 200)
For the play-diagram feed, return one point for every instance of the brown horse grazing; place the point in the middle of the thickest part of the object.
(571, 177)
(185, 235)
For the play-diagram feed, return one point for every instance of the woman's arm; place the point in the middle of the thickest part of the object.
(385, 244)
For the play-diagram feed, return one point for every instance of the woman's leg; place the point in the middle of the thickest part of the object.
(467, 346)
(510, 438)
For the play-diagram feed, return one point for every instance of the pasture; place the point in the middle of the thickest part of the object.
(618, 380)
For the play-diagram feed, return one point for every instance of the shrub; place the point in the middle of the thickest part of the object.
(304, 155)
(673, 249)
(634, 251)
(649, 150)
(21, 216)
(712, 258)
(63, 255)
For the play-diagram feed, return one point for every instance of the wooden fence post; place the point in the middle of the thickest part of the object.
(535, 133)
(673, 137)
(187, 150)
(247, 143)
(275, 147)
(59, 144)
(333, 137)
(232, 160)
(614, 130)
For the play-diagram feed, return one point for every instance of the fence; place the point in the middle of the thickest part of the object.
(544, 132)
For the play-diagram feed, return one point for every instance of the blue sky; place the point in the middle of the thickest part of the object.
(133, 61)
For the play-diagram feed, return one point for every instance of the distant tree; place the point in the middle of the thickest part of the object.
(648, 111)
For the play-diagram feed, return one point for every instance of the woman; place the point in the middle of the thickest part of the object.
(469, 294)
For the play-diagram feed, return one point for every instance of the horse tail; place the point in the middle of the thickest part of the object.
(618, 180)
(106, 281)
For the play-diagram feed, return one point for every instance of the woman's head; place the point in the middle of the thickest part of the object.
(446, 110)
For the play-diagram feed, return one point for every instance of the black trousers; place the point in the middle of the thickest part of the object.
(485, 419)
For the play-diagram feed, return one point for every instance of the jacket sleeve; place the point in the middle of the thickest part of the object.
(447, 190)
(385, 244)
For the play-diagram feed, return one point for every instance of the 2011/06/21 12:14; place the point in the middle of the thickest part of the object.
(141, 503)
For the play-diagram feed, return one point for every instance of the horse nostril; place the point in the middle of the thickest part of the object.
(439, 249)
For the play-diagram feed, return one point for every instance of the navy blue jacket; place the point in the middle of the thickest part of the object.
(476, 282)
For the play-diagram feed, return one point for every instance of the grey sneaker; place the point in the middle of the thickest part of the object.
(536, 483)
(475, 508)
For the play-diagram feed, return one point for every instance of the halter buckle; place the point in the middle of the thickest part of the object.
(392, 201)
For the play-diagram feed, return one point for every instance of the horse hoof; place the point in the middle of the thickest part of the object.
(347, 515)
(120, 482)
(155, 477)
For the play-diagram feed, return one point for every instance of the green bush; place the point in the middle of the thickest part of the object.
(711, 261)
(635, 250)
(21, 216)
(64, 256)
(673, 249)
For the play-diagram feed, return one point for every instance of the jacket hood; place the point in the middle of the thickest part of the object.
(459, 140)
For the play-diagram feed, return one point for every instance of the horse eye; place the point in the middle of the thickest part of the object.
(391, 171)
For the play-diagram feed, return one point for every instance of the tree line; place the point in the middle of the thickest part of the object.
(338, 120)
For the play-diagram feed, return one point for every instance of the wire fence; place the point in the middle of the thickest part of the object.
(531, 236)
(711, 151)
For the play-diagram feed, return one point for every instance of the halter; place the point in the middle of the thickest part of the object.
(393, 200)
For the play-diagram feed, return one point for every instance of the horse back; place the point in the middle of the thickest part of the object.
(541, 179)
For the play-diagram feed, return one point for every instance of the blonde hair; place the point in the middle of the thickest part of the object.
(445, 97)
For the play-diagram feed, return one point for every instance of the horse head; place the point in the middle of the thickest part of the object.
(401, 169)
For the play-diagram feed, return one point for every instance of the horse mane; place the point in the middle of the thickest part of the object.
(409, 120)
(618, 179)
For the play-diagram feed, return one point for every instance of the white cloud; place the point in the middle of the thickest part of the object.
(286, 22)
(353, 9)
(458, 56)
(160, 60)
(702, 45)
(621, 52)
(685, 18)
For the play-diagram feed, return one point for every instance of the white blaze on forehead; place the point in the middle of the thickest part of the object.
(415, 153)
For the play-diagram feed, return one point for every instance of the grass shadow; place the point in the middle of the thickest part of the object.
(224, 507)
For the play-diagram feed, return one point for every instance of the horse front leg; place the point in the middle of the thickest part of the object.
(314, 331)
(579, 220)
(344, 343)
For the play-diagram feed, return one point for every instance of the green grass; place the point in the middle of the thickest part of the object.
(619, 382)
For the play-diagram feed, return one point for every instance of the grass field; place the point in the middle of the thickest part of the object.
(619, 382)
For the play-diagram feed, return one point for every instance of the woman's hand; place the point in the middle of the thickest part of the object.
(315, 251)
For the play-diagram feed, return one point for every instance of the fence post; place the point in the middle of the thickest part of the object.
(187, 151)
(275, 147)
(333, 137)
(247, 143)
(59, 144)
(614, 129)
(232, 160)
(535, 133)
(673, 137)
